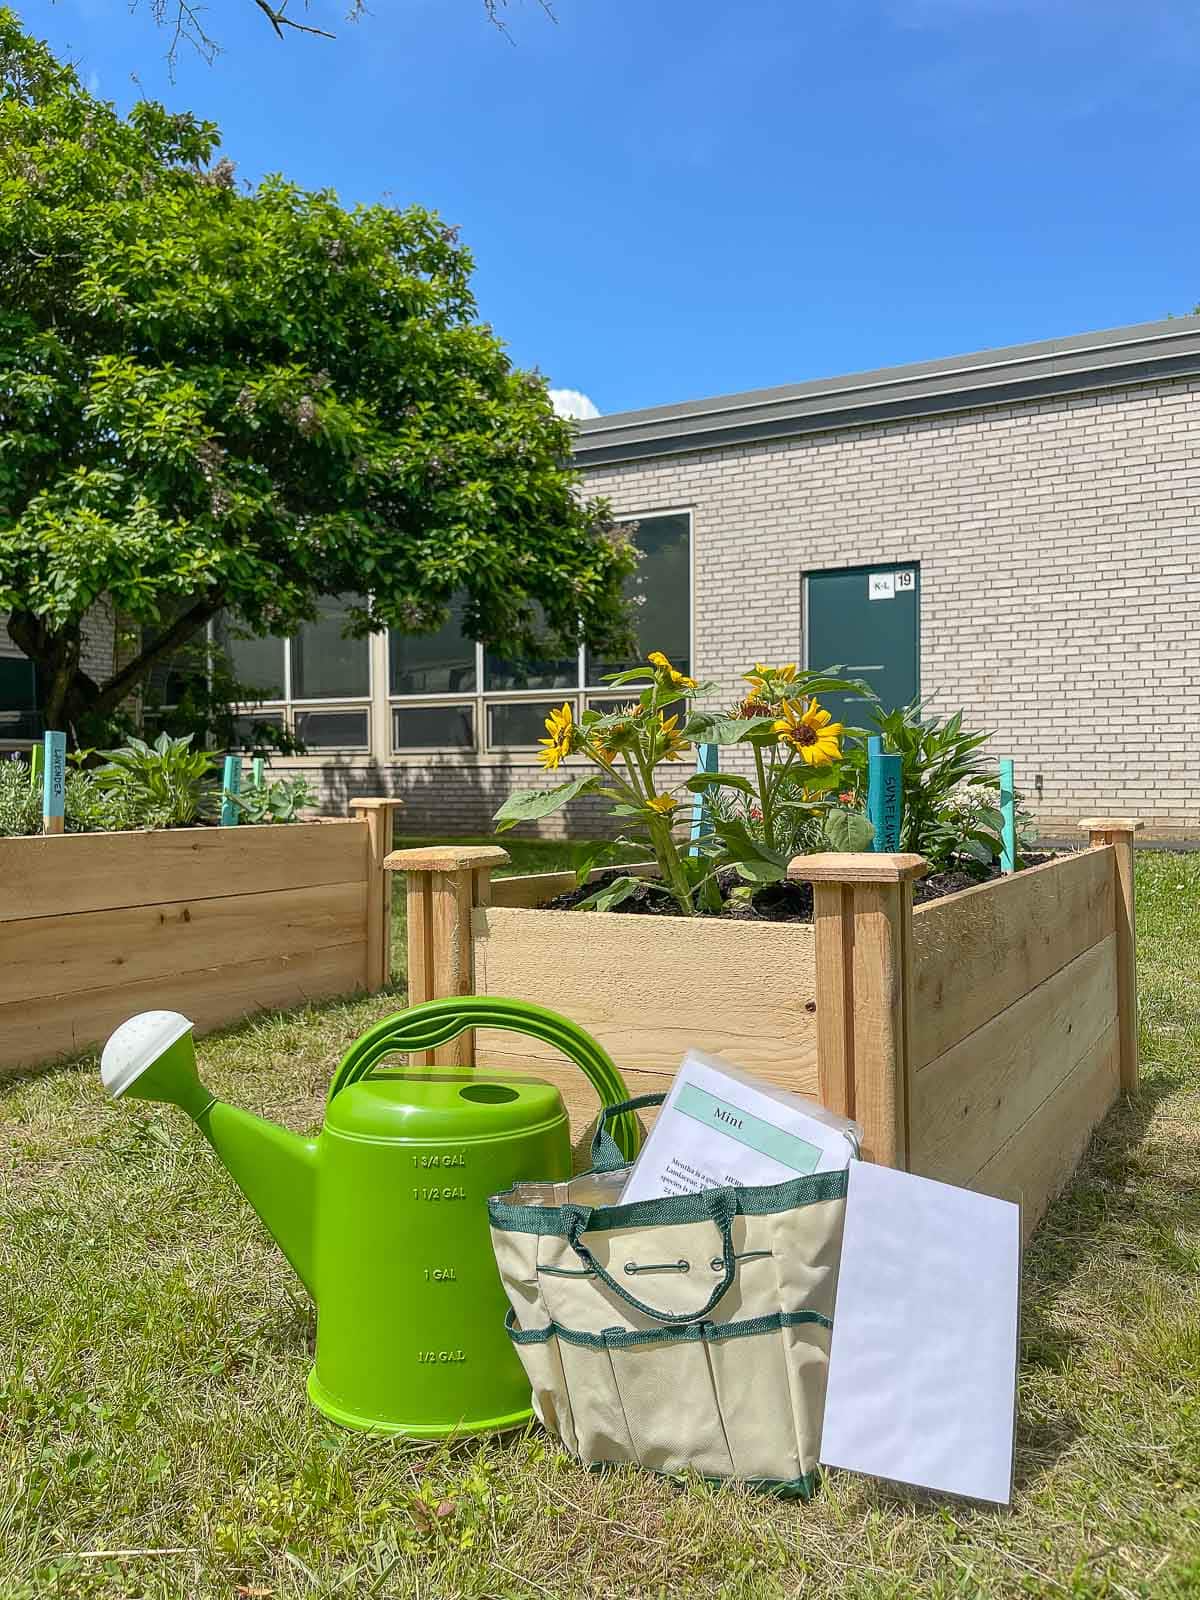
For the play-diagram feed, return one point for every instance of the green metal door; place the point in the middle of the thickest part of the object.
(867, 620)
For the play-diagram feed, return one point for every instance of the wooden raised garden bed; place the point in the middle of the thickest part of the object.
(978, 1039)
(213, 922)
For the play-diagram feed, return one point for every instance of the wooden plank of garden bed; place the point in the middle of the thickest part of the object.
(977, 952)
(80, 951)
(104, 871)
(1039, 1158)
(650, 988)
(34, 1031)
(968, 1103)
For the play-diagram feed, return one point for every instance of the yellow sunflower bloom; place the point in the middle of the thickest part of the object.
(677, 680)
(812, 733)
(663, 804)
(560, 725)
(672, 743)
(764, 676)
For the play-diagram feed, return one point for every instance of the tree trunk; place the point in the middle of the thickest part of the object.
(66, 693)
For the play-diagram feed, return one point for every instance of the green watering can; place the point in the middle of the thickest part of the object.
(384, 1215)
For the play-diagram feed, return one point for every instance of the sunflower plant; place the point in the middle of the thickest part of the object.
(635, 752)
(803, 794)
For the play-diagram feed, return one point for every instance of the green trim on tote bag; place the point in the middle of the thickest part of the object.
(549, 1221)
(688, 1333)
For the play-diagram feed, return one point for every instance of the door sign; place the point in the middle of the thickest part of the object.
(887, 585)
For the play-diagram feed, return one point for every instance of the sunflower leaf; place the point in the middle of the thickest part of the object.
(528, 805)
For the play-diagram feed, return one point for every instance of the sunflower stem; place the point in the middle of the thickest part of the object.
(672, 867)
(764, 793)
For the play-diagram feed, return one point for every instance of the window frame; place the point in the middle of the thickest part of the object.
(380, 703)
(287, 707)
(454, 702)
(580, 694)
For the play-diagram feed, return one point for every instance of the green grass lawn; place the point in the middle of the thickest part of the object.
(153, 1347)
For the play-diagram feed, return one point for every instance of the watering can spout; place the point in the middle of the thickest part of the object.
(152, 1057)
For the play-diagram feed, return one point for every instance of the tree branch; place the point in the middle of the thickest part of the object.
(185, 627)
(279, 21)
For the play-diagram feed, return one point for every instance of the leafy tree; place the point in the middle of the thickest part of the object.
(222, 401)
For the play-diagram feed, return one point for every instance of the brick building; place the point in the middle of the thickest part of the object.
(1016, 533)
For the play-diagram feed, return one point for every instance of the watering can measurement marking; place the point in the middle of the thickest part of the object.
(361, 1235)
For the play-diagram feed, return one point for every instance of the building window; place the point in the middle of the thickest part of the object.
(661, 589)
(317, 684)
(20, 719)
(488, 705)
(440, 727)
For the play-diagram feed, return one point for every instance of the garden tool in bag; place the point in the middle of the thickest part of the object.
(685, 1332)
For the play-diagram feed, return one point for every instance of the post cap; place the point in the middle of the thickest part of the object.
(375, 803)
(1111, 825)
(446, 858)
(852, 866)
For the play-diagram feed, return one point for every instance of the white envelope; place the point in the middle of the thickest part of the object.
(923, 1364)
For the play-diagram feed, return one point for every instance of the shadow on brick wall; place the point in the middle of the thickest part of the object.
(453, 798)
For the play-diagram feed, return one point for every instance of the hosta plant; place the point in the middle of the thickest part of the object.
(166, 784)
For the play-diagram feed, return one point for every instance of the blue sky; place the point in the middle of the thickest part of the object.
(670, 200)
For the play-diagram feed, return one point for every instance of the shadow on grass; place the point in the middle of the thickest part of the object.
(1087, 1220)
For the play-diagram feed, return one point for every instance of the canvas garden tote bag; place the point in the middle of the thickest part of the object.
(688, 1332)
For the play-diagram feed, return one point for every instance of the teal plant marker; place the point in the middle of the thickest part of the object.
(884, 796)
(1008, 810)
(54, 782)
(232, 784)
(256, 768)
(707, 760)
(36, 763)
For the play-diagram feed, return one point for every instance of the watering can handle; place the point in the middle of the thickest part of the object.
(424, 1027)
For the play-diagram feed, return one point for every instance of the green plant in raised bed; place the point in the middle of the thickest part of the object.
(800, 798)
(20, 805)
(165, 785)
(87, 808)
(630, 747)
(280, 800)
(797, 756)
(950, 813)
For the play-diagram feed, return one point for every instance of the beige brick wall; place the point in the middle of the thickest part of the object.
(1059, 544)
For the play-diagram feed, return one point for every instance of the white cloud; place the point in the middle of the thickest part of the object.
(573, 403)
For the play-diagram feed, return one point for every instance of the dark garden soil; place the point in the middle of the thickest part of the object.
(774, 902)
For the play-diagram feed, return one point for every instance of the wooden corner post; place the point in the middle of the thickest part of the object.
(446, 883)
(377, 814)
(1120, 833)
(863, 917)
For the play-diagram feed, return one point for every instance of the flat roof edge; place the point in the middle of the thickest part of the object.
(1119, 357)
